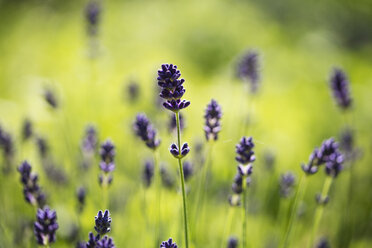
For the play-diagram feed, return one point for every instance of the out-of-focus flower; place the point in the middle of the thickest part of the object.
(212, 117)
(145, 131)
(232, 242)
(45, 226)
(287, 181)
(248, 69)
(340, 88)
(148, 173)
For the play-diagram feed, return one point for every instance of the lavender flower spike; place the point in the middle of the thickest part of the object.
(105, 242)
(248, 69)
(287, 181)
(244, 150)
(107, 165)
(340, 88)
(232, 243)
(168, 244)
(145, 131)
(148, 173)
(31, 188)
(212, 117)
(45, 226)
(103, 222)
(92, 15)
(172, 88)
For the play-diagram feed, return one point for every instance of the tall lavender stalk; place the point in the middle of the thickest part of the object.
(172, 91)
(107, 166)
(245, 157)
(212, 127)
(318, 157)
(144, 130)
(333, 165)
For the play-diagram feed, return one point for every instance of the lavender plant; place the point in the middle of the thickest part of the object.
(89, 145)
(102, 227)
(340, 89)
(7, 145)
(172, 92)
(31, 189)
(245, 157)
(248, 69)
(168, 244)
(45, 226)
(107, 166)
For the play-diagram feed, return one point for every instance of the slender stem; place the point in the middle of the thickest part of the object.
(298, 198)
(245, 209)
(227, 227)
(202, 188)
(319, 209)
(105, 194)
(182, 182)
(158, 196)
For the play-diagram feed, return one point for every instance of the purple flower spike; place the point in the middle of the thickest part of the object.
(45, 226)
(232, 243)
(212, 116)
(248, 69)
(327, 154)
(287, 181)
(31, 189)
(92, 241)
(103, 222)
(340, 89)
(92, 15)
(105, 242)
(172, 87)
(168, 244)
(244, 150)
(145, 131)
(148, 173)
(107, 164)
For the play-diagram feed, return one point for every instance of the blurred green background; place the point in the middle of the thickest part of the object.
(44, 44)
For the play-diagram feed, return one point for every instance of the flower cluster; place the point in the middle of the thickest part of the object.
(145, 131)
(212, 117)
(90, 140)
(248, 69)
(50, 98)
(27, 129)
(133, 90)
(340, 88)
(92, 15)
(287, 180)
(232, 242)
(148, 173)
(103, 222)
(102, 226)
(45, 226)
(7, 145)
(31, 189)
(107, 165)
(168, 244)
(80, 195)
(245, 157)
(327, 154)
(172, 87)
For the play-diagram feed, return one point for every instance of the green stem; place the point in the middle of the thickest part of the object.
(300, 192)
(227, 227)
(182, 182)
(320, 209)
(200, 195)
(158, 196)
(245, 210)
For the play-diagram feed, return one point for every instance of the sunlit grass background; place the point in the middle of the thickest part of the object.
(43, 44)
